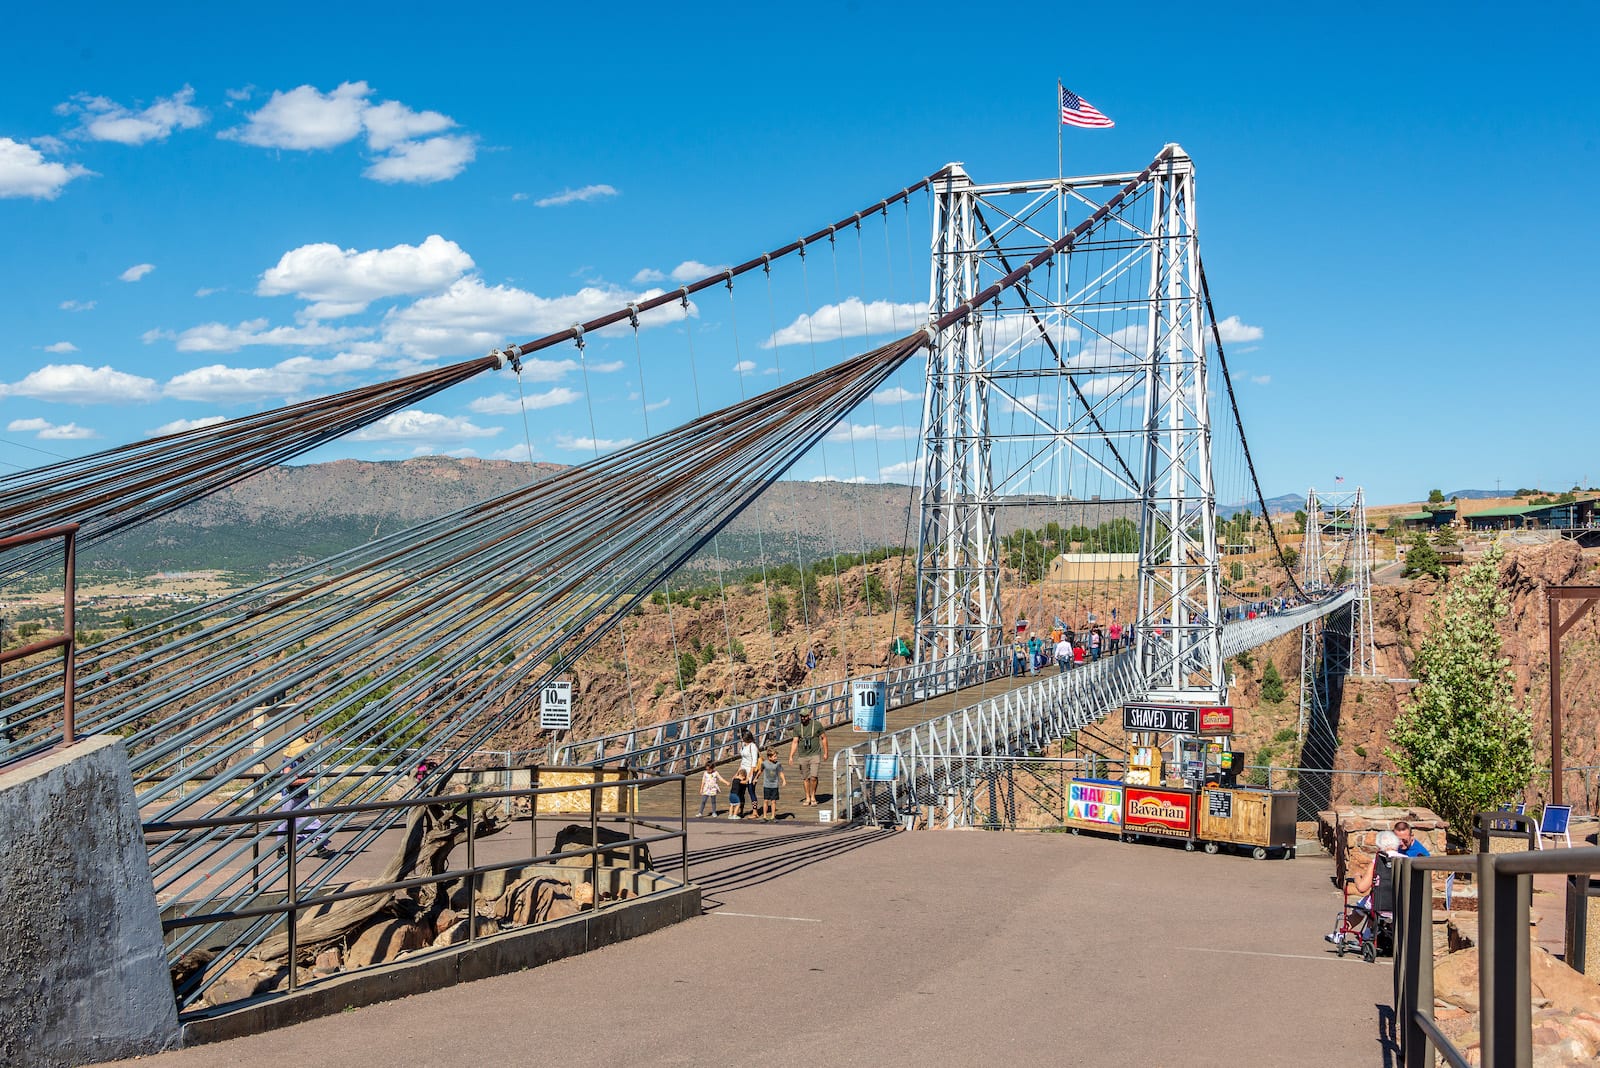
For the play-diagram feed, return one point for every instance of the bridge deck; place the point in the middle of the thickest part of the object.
(663, 802)
(830, 946)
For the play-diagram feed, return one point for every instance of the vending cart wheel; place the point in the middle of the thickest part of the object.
(1211, 848)
(1259, 852)
(1074, 830)
(1188, 847)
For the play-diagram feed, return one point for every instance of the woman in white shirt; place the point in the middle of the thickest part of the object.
(749, 760)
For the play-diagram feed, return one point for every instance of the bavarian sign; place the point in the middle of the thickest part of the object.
(1178, 719)
(1166, 812)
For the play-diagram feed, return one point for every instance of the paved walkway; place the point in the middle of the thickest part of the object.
(833, 946)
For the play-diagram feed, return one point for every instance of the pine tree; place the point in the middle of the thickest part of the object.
(1421, 559)
(1462, 744)
(1271, 684)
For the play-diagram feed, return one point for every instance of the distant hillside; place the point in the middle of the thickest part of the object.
(288, 516)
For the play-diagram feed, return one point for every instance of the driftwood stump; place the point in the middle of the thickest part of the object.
(432, 832)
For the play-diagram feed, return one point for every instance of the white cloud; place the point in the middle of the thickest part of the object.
(66, 432)
(857, 480)
(61, 348)
(75, 383)
(656, 406)
(1232, 330)
(77, 305)
(576, 196)
(45, 430)
(305, 119)
(647, 276)
(24, 172)
(694, 270)
(178, 426)
(520, 196)
(297, 375)
(101, 119)
(744, 367)
(220, 337)
(506, 404)
(870, 432)
(895, 395)
(471, 316)
(136, 272)
(906, 471)
(1261, 380)
(414, 424)
(206, 291)
(851, 318)
(421, 162)
(391, 122)
(572, 444)
(518, 453)
(608, 367)
(345, 281)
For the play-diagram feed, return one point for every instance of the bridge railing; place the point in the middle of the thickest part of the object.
(678, 745)
(930, 763)
(286, 885)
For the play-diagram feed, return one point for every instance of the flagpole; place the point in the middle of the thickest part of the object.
(1058, 131)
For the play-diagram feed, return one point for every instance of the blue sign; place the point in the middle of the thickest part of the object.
(882, 767)
(869, 703)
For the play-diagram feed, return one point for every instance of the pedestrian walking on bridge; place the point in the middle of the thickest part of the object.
(807, 751)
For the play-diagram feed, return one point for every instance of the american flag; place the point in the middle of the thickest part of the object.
(1076, 111)
(1338, 479)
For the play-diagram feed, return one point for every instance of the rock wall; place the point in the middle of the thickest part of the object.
(83, 976)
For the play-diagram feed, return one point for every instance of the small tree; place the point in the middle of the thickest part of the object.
(1236, 571)
(1421, 559)
(1445, 538)
(1271, 684)
(1435, 497)
(1462, 744)
(1291, 557)
(1299, 521)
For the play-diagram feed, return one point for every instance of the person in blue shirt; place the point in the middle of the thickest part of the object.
(1409, 845)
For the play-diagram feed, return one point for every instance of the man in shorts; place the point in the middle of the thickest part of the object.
(807, 750)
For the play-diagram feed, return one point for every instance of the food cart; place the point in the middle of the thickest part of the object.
(1192, 797)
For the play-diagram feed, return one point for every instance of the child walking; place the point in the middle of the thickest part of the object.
(772, 777)
(736, 795)
(711, 784)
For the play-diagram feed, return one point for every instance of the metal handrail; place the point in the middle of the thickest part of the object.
(293, 903)
(68, 642)
(1505, 892)
(689, 740)
(946, 752)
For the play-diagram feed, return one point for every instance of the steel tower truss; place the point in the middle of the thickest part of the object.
(1086, 381)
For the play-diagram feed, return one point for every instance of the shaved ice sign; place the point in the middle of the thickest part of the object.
(1094, 802)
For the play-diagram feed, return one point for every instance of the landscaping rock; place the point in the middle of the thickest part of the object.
(384, 941)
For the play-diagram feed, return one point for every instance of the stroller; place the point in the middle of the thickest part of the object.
(1367, 925)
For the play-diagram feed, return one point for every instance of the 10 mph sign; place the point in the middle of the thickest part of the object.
(555, 706)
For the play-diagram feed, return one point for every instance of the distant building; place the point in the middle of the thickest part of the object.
(1425, 520)
(1574, 516)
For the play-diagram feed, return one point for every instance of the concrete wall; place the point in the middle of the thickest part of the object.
(83, 976)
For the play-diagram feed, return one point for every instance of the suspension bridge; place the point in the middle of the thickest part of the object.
(1074, 409)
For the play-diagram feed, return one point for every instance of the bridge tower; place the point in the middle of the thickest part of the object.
(1337, 552)
(958, 572)
(1122, 328)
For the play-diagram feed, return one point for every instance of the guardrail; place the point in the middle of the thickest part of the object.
(686, 742)
(929, 761)
(296, 823)
(1505, 891)
(67, 642)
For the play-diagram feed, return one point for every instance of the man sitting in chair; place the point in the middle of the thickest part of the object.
(1409, 846)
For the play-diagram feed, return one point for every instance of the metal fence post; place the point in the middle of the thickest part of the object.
(594, 842)
(1504, 980)
(294, 898)
(472, 862)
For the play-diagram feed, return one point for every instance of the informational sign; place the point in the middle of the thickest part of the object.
(1219, 804)
(555, 706)
(1169, 719)
(1095, 802)
(1165, 812)
(881, 767)
(869, 703)
(1216, 719)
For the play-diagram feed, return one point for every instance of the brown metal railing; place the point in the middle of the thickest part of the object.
(292, 819)
(1505, 891)
(68, 640)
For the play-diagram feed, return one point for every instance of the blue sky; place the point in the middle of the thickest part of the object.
(209, 212)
